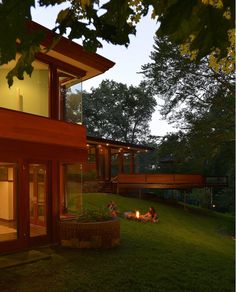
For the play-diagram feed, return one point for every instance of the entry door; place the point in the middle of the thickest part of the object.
(24, 205)
(38, 199)
(11, 235)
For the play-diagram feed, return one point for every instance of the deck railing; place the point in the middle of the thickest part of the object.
(168, 181)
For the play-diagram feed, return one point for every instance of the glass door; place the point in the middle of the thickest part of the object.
(38, 193)
(8, 202)
(24, 205)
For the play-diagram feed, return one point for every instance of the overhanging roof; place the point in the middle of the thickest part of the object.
(117, 144)
(72, 53)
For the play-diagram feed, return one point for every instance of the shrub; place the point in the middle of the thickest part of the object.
(93, 216)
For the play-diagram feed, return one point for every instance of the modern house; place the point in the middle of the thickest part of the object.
(39, 149)
(46, 162)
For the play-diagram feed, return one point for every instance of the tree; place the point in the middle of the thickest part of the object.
(188, 89)
(73, 107)
(201, 27)
(118, 112)
(201, 103)
(198, 100)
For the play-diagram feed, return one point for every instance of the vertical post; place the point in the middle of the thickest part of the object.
(62, 198)
(97, 160)
(55, 107)
(81, 103)
(57, 185)
(81, 188)
(107, 163)
(211, 197)
(140, 193)
(185, 196)
(121, 160)
(132, 162)
(117, 188)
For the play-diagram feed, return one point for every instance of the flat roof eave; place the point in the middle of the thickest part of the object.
(117, 144)
(72, 53)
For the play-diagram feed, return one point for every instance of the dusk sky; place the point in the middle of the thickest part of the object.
(128, 60)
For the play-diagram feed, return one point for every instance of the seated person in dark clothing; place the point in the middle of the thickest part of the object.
(151, 215)
(113, 209)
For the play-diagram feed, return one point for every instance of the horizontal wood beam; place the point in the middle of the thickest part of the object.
(27, 127)
(158, 186)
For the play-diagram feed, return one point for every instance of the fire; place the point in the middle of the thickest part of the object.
(137, 214)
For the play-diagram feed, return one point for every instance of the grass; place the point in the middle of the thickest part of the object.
(184, 251)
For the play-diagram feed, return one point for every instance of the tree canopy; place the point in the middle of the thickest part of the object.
(200, 102)
(200, 27)
(118, 112)
(190, 90)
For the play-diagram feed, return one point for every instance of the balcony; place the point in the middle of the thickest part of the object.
(30, 128)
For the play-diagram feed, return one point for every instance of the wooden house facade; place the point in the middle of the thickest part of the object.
(39, 148)
(46, 158)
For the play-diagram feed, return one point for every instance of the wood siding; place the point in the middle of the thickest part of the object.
(26, 127)
(160, 181)
(74, 51)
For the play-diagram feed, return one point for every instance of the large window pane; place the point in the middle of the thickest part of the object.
(114, 162)
(38, 199)
(8, 202)
(71, 98)
(90, 168)
(29, 95)
(71, 189)
(127, 161)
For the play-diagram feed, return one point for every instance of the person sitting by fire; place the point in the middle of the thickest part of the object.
(151, 215)
(113, 209)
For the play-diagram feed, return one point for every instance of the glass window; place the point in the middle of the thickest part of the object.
(38, 199)
(70, 189)
(90, 168)
(101, 162)
(91, 154)
(127, 161)
(114, 162)
(29, 95)
(70, 89)
(8, 202)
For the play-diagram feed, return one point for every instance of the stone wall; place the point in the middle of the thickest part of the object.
(90, 235)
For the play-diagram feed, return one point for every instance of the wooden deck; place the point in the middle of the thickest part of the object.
(167, 181)
(159, 181)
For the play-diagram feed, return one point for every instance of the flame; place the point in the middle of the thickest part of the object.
(137, 214)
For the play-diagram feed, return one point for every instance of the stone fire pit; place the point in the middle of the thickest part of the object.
(105, 234)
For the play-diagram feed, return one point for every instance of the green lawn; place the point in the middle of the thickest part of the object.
(184, 251)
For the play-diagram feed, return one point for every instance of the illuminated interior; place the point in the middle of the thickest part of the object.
(8, 221)
(8, 200)
(38, 199)
(29, 95)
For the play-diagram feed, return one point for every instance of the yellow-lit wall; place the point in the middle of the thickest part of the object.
(29, 95)
(6, 200)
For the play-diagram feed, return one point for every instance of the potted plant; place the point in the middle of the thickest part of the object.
(90, 229)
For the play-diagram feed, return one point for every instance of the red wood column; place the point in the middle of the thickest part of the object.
(57, 192)
(121, 161)
(23, 207)
(107, 163)
(97, 160)
(53, 93)
(132, 162)
(62, 186)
